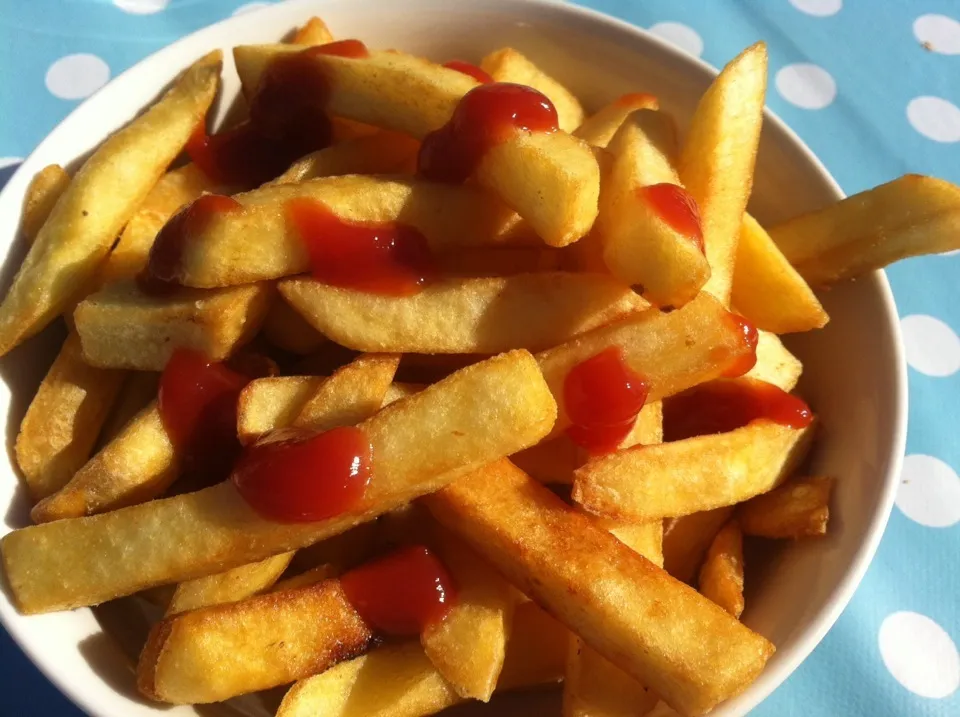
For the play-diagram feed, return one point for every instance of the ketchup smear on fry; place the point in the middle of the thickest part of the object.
(296, 476)
(722, 406)
(603, 396)
(751, 337)
(485, 116)
(402, 593)
(479, 74)
(676, 207)
(387, 258)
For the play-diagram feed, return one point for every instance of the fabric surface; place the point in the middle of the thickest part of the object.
(873, 87)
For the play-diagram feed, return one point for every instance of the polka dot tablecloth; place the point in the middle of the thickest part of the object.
(873, 86)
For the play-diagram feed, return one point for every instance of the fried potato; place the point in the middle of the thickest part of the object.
(717, 159)
(907, 217)
(259, 243)
(686, 539)
(42, 194)
(691, 475)
(672, 351)
(313, 32)
(486, 315)
(598, 129)
(509, 65)
(267, 404)
(352, 394)
(767, 290)
(694, 655)
(775, 364)
(213, 653)
(798, 509)
(642, 248)
(232, 585)
(63, 420)
(479, 414)
(121, 327)
(99, 201)
(288, 330)
(721, 577)
(380, 153)
(139, 389)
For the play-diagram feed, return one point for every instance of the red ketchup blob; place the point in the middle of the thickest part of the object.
(485, 116)
(676, 207)
(163, 271)
(722, 406)
(197, 402)
(751, 338)
(391, 258)
(402, 593)
(300, 477)
(603, 396)
(480, 75)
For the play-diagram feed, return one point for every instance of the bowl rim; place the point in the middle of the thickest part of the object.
(811, 635)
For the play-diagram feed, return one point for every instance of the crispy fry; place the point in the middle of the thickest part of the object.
(313, 32)
(380, 153)
(768, 290)
(721, 577)
(775, 364)
(693, 654)
(509, 65)
(288, 330)
(907, 217)
(42, 194)
(232, 585)
(63, 420)
(267, 404)
(798, 509)
(686, 539)
(121, 327)
(598, 129)
(488, 315)
(717, 159)
(100, 200)
(138, 390)
(351, 395)
(691, 475)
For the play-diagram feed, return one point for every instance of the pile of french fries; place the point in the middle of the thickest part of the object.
(621, 575)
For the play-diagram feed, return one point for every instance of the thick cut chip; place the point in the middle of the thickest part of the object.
(267, 404)
(598, 129)
(42, 194)
(775, 364)
(350, 395)
(288, 330)
(121, 327)
(232, 585)
(721, 577)
(313, 32)
(907, 217)
(460, 316)
(477, 415)
(64, 419)
(98, 202)
(767, 290)
(686, 539)
(380, 153)
(138, 391)
(799, 509)
(717, 160)
(693, 654)
(695, 474)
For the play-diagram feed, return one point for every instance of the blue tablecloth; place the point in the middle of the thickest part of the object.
(873, 86)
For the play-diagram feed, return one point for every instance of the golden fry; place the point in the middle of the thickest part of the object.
(288, 330)
(380, 153)
(798, 509)
(313, 32)
(352, 394)
(598, 129)
(236, 584)
(139, 389)
(266, 404)
(42, 194)
(721, 577)
(686, 539)
(775, 364)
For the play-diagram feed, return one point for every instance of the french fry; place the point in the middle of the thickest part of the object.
(598, 129)
(137, 392)
(691, 475)
(767, 290)
(694, 655)
(797, 509)
(288, 330)
(216, 652)
(313, 32)
(909, 216)
(230, 586)
(99, 201)
(121, 327)
(486, 315)
(266, 404)
(475, 416)
(63, 420)
(42, 194)
(721, 577)
(686, 539)
(380, 153)
(641, 246)
(499, 261)
(775, 364)
(353, 394)
(717, 159)
(509, 65)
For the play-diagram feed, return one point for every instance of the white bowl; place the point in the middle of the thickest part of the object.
(854, 370)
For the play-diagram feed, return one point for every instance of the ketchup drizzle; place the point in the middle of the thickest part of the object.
(751, 337)
(674, 205)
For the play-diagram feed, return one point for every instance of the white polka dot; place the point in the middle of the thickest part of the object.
(929, 492)
(805, 85)
(935, 118)
(74, 77)
(250, 7)
(938, 33)
(919, 654)
(683, 36)
(141, 7)
(932, 347)
(818, 8)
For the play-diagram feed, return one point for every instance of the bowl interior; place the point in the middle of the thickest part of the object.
(853, 368)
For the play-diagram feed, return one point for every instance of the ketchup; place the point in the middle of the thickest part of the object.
(724, 405)
(388, 258)
(751, 338)
(197, 402)
(674, 205)
(486, 116)
(480, 75)
(402, 593)
(603, 396)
